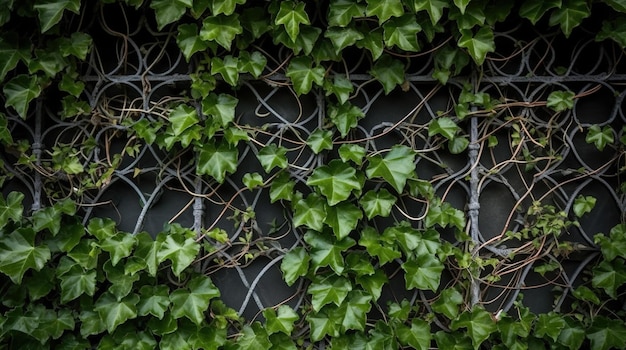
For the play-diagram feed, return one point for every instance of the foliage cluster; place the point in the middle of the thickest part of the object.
(71, 286)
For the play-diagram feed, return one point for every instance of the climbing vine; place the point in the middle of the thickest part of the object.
(366, 218)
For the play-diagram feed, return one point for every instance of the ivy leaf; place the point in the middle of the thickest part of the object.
(53, 324)
(550, 325)
(295, 264)
(343, 218)
(19, 254)
(443, 126)
(614, 29)
(115, 312)
(11, 208)
(228, 68)
(221, 29)
(253, 337)
(303, 75)
(310, 212)
(570, 15)
(189, 41)
(154, 301)
(320, 140)
(461, 4)
(612, 246)
(216, 161)
(377, 203)
(11, 52)
(402, 32)
(321, 325)
(181, 118)
(342, 37)
(342, 12)
(352, 314)
(478, 323)
(572, 335)
(606, 334)
(194, 300)
(609, 276)
(282, 188)
(478, 45)
(448, 303)
(583, 204)
(423, 272)
(385, 252)
(560, 100)
(252, 180)
(433, 7)
(101, 228)
(417, 336)
(341, 87)
(147, 250)
(326, 251)
(352, 152)
(169, 11)
(396, 167)
(458, 144)
(373, 41)
(180, 251)
(51, 11)
(336, 181)
(221, 107)
(272, 156)
(77, 282)
(291, 15)
(384, 9)
(119, 246)
(374, 283)
(226, 7)
(332, 289)
(600, 137)
(19, 91)
(389, 72)
(534, 10)
(252, 63)
(281, 320)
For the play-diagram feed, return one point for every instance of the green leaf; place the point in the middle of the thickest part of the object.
(473, 16)
(443, 126)
(342, 12)
(53, 324)
(374, 283)
(189, 41)
(322, 324)
(617, 5)
(115, 312)
(352, 314)
(448, 303)
(11, 52)
(121, 282)
(583, 204)
(352, 152)
(77, 45)
(573, 334)
(600, 137)
(254, 337)
(342, 37)
(332, 289)
(91, 323)
(221, 29)
(20, 91)
(376, 246)
(417, 336)
(180, 251)
(461, 4)
(310, 212)
(147, 250)
(320, 140)
(252, 180)
(377, 203)
(570, 15)
(327, 251)
(221, 107)
(341, 87)
(282, 188)
(272, 156)
(51, 11)
(609, 276)
(303, 75)
(226, 7)
(478, 323)
(395, 167)
(343, 218)
(423, 272)
(77, 282)
(216, 161)
(19, 254)
(560, 100)
(606, 334)
(433, 7)
(612, 246)
(11, 208)
(181, 118)
(373, 41)
(101, 228)
(281, 320)
(534, 10)
(252, 63)
(384, 9)
(154, 301)
(550, 325)
(458, 144)
(194, 300)
(295, 264)
(613, 28)
(228, 68)
(336, 181)
(389, 72)
(119, 246)
(291, 15)
(478, 45)
(402, 32)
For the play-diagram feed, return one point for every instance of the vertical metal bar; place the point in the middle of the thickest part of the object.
(198, 206)
(474, 205)
(37, 185)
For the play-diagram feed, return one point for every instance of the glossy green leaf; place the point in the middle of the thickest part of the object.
(118, 246)
(373, 41)
(560, 100)
(359, 263)
(193, 301)
(373, 283)
(382, 337)
(614, 29)
(168, 11)
(280, 320)
(352, 314)
(345, 116)
(253, 63)
(583, 204)
(11, 52)
(342, 37)
(222, 29)
(434, 8)
(115, 312)
(478, 44)
(613, 246)
(303, 74)
(550, 325)
(217, 160)
(402, 32)
(389, 72)
(377, 203)
(291, 15)
(606, 333)
(376, 246)
(443, 126)
(534, 10)
(53, 324)
(331, 289)
(320, 140)
(352, 152)
(417, 336)
(20, 91)
(458, 144)
(609, 276)
(310, 212)
(282, 188)
(252, 180)
(570, 15)
(336, 181)
(226, 7)
(573, 334)
(384, 9)
(189, 41)
(448, 303)
(395, 167)
(18, 254)
(220, 107)
(343, 12)
(327, 251)
(77, 45)
(228, 68)
(147, 250)
(253, 337)
(478, 323)
(423, 272)
(340, 86)
(461, 4)
(11, 208)
(600, 137)
(295, 264)
(154, 301)
(180, 251)
(322, 324)
(51, 11)
(272, 156)
(473, 16)
(181, 118)
(343, 218)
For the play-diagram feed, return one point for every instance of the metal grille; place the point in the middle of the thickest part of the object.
(136, 72)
